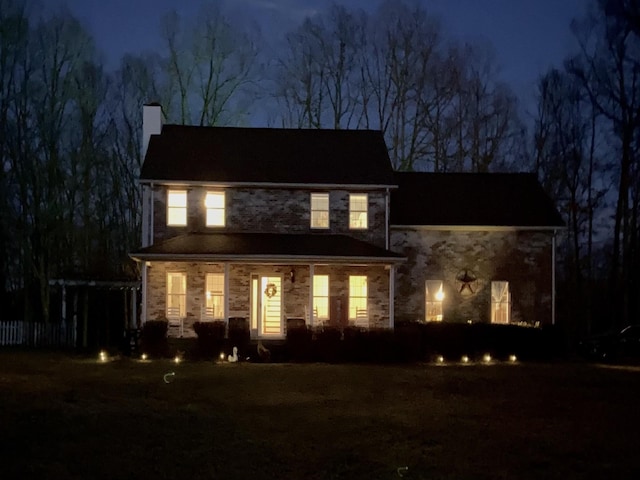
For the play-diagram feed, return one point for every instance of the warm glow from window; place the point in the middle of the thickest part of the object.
(214, 296)
(434, 295)
(500, 302)
(177, 207)
(358, 208)
(319, 210)
(215, 203)
(176, 294)
(357, 296)
(321, 297)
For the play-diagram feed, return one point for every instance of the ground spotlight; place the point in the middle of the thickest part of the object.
(464, 359)
(486, 357)
(513, 358)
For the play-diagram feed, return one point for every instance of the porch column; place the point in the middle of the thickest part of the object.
(392, 295)
(64, 303)
(134, 308)
(311, 273)
(226, 291)
(143, 286)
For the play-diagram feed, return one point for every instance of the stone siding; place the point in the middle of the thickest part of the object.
(523, 258)
(295, 295)
(274, 210)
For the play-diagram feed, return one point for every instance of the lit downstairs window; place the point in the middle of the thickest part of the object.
(434, 295)
(321, 297)
(500, 302)
(177, 207)
(358, 211)
(214, 296)
(176, 294)
(319, 210)
(215, 204)
(357, 298)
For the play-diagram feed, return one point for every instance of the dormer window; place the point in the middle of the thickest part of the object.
(358, 211)
(319, 210)
(177, 208)
(215, 204)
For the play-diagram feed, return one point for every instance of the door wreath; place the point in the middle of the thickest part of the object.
(271, 290)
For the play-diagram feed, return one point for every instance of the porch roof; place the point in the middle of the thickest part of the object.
(267, 247)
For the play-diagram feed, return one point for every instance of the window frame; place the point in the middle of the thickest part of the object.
(356, 301)
(433, 306)
(176, 209)
(314, 212)
(321, 297)
(217, 294)
(355, 222)
(215, 209)
(501, 306)
(182, 296)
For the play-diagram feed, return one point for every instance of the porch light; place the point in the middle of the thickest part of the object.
(464, 359)
(486, 358)
(513, 358)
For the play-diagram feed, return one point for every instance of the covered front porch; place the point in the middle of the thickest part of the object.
(268, 295)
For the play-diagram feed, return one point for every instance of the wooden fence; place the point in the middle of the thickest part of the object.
(18, 332)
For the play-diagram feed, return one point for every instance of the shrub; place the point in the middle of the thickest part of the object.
(355, 344)
(299, 339)
(409, 342)
(328, 344)
(153, 340)
(239, 335)
(210, 338)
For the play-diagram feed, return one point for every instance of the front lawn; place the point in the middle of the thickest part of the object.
(65, 417)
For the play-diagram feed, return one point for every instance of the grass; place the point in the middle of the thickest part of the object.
(65, 417)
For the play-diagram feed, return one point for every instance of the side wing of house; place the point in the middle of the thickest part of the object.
(480, 248)
(266, 225)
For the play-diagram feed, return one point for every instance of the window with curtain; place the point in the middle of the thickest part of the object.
(434, 296)
(500, 302)
(319, 210)
(357, 296)
(358, 210)
(321, 297)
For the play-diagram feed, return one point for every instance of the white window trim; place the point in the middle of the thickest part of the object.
(433, 299)
(182, 309)
(353, 311)
(209, 312)
(216, 209)
(318, 210)
(365, 211)
(183, 208)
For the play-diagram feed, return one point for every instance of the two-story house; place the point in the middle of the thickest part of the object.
(273, 224)
(265, 224)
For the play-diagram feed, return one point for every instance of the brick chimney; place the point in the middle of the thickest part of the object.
(152, 119)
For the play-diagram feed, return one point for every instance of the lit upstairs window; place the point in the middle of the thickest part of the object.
(215, 204)
(358, 211)
(319, 210)
(177, 207)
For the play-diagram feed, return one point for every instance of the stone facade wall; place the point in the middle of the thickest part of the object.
(295, 295)
(274, 210)
(523, 258)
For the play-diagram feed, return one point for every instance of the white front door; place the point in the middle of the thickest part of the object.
(266, 306)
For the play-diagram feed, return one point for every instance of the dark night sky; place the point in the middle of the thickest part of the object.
(528, 35)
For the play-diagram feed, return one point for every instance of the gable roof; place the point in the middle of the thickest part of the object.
(472, 199)
(267, 247)
(267, 155)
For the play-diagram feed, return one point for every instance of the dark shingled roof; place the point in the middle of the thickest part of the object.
(267, 155)
(266, 246)
(472, 199)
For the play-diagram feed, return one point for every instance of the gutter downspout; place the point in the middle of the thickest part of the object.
(553, 278)
(143, 305)
(386, 219)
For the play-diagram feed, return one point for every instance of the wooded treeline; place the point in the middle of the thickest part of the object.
(70, 130)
